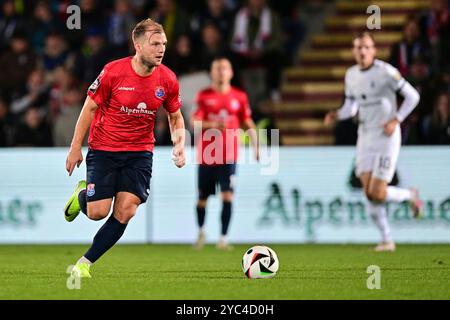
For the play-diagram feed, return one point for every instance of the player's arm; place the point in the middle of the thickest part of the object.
(348, 110)
(250, 127)
(75, 157)
(177, 132)
(411, 99)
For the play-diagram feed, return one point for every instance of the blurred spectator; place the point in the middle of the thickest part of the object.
(95, 56)
(16, 64)
(93, 15)
(294, 29)
(436, 28)
(419, 78)
(409, 48)
(217, 14)
(257, 41)
(139, 9)
(56, 53)
(120, 24)
(62, 81)
(33, 132)
(10, 22)
(42, 24)
(181, 59)
(212, 46)
(64, 123)
(35, 94)
(6, 125)
(437, 125)
(174, 20)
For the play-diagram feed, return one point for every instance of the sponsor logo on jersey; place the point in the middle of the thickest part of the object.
(90, 189)
(126, 88)
(140, 109)
(159, 92)
(210, 102)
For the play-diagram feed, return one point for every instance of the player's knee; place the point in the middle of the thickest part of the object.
(377, 195)
(202, 203)
(227, 196)
(95, 213)
(125, 213)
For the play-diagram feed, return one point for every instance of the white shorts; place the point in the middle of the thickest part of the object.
(378, 153)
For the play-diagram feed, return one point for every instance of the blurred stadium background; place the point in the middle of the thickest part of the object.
(292, 82)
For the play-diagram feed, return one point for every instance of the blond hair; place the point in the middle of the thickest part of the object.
(146, 25)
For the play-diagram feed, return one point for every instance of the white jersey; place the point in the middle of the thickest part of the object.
(374, 92)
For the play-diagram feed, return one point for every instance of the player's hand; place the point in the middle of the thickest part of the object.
(220, 125)
(330, 118)
(178, 155)
(389, 127)
(75, 157)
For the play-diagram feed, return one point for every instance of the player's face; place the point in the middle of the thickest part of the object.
(152, 48)
(221, 71)
(364, 51)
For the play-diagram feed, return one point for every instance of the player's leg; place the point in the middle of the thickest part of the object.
(125, 206)
(226, 181)
(206, 182)
(131, 180)
(379, 189)
(378, 214)
(201, 214)
(94, 197)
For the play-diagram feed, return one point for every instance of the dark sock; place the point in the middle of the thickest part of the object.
(226, 216)
(201, 212)
(105, 238)
(82, 201)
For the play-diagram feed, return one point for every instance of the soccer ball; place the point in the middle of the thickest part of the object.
(260, 262)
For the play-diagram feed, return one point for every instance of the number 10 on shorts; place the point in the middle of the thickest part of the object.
(384, 163)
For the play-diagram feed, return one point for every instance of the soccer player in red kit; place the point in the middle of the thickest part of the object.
(221, 110)
(120, 111)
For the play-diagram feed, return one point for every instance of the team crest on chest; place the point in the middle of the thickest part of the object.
(235, 104)
(159, 92)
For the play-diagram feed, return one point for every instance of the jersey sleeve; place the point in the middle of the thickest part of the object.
(200, 112)
(173, 102)
(100, 89)
(245, 112)
(394, 79)
(347, 88)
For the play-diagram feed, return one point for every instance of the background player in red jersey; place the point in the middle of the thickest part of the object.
(221, 110)
(120, 110)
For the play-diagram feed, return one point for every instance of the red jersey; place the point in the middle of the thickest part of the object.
(127, 105)
(232, 108)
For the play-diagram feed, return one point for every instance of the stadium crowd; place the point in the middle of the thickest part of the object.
(45, 68)
(422, 57)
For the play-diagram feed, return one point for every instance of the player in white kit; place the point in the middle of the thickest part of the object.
(370, 90)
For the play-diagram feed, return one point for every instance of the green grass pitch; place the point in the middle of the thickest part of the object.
(179, 272)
